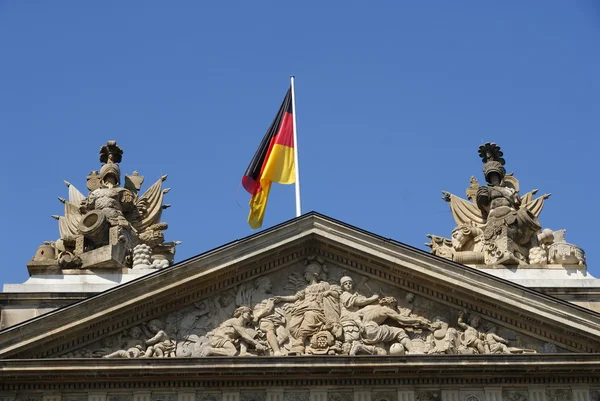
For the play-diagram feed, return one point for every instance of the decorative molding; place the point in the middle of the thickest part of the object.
(292, 395)
(431, 392)
(96, 396)
(278, 394)
(408, 269)
(186, 396)
(537, 394)
(493, 393)
(581, 394)
(142, 396)
(317, 395)
(231, 396)
(450, 395)
(406, 395)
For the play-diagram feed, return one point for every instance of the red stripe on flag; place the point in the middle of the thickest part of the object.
(285, 136)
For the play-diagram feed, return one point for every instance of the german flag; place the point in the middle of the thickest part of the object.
(272, 162)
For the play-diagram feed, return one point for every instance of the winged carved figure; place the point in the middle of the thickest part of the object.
(466, 212)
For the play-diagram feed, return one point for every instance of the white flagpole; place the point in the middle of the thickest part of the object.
(296, 164)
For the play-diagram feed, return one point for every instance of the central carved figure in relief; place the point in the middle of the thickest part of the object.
(315, 307)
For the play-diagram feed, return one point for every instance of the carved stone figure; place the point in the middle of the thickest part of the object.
(133, 346)
(222, 307)
(494, 343)
(160, 344)
(351, 302)
(250, 297)
(232, 337)
(375, 334)
(443, 339)
(472, 341)
(113, 218)
(497, 226)
(195, 321)
(408, 305)
(271, 319)
(508, 226)
(497, 345)
(313, 307)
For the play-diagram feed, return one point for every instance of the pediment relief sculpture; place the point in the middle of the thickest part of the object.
(313, 309)
(497, 226)
(113, 226)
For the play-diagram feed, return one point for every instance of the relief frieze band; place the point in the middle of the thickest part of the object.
(317, 310)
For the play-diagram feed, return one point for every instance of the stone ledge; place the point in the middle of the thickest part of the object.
(566, 367)
(84, 281)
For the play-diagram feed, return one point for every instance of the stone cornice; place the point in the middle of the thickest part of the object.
(34, 298)
(302, 371)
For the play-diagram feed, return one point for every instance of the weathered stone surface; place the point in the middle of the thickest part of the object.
(314, 315)
(180, 311)
(498, 227)
(384, 395)
(111, 226)
(296, 396)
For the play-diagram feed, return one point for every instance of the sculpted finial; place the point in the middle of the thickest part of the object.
(111, 153)
(113, 218)
(491, 152)
(497, 226)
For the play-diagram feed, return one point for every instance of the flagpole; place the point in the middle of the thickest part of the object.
(296, 163)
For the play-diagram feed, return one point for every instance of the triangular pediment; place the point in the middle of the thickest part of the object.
(184, 310)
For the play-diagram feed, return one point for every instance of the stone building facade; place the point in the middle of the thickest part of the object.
(311, 310)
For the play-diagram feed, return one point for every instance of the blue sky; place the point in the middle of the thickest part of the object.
(393, 100)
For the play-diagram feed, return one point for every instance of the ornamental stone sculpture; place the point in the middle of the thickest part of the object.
(314, 316)
(113, 227)
(375, 334)
(443, 338)
(232, 336)
(313, 307)
(497, 226)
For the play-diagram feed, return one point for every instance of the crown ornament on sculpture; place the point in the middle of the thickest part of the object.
(497, 226)
(114, 227)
